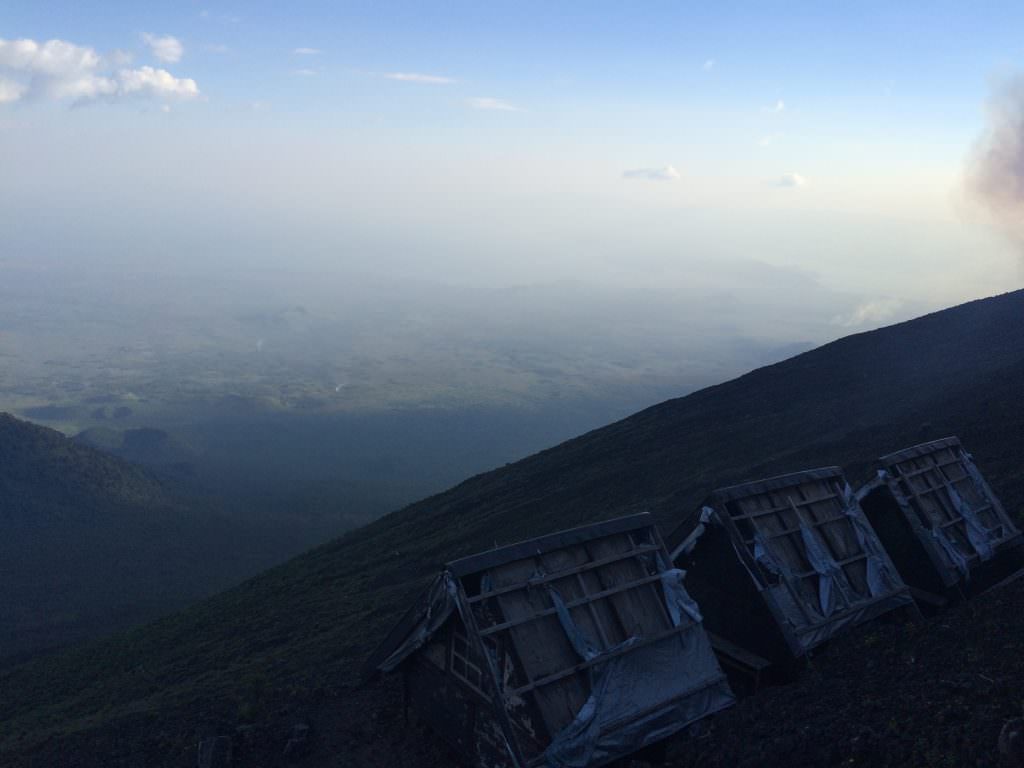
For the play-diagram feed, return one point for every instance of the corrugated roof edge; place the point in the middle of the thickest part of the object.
(755, 487)
(919, 450)
(524, 549)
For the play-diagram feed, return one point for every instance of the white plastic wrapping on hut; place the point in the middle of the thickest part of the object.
(437, 605)
(980, 537)
(983, 540)
(643, 695)
(837, 601)
(881, 574)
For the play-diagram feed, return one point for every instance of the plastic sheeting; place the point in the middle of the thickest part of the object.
(667, 685)
(881, 576)
(979, 536)
(440, 601)
(641, 696)
(690, 542)
(582, 644)
(763, 555)
(830, 575)
(958, 558)
(677, 599)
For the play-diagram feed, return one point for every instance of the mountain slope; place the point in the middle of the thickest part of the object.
(286, 645)
(91, 544)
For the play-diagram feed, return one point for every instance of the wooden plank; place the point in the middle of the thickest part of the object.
(605, 643)
(533, 582)
(571, 589)
(934, 508)
(936, 465)
(606, 613)
(843, 541)
(655, 588)
(840, 563)
(545, 612)
(639, 611)
(784, 507)
(741, 655)
(929, 598)
(541, 645)
(802, 592)
(796, 529)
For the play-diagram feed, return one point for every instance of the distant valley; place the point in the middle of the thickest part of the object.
(321, 402)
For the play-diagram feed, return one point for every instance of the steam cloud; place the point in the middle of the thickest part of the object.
(996, 178)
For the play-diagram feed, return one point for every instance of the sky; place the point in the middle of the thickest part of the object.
(638, 145)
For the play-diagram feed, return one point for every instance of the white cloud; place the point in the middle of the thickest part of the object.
(790, 181)
(10, 91)
(668, 173)
(216, 48)
(777, 107)
(708, 65)
(417, 77)
(58, 70)
(870, 312)
(488, 103)
(307, 51)
(305, 72)
(166, 48)
(155, 82)
(768, 140)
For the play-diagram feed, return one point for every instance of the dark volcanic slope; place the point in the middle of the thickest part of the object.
(285, 645)
(933, 694)
(91, 544)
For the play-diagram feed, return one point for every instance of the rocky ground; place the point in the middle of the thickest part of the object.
(930, 694)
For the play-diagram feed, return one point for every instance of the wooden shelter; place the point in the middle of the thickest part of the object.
(781, 565)
(939, 520)
(574, 649)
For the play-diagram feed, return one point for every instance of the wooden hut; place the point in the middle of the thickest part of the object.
(945, 529)
(781, 565)
(574, 649)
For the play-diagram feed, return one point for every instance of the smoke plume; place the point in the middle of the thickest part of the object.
(996, 177)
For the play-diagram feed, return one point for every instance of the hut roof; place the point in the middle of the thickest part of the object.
(948, 504)
(810, 551)
(607, 645)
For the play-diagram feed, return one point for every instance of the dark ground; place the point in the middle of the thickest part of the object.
(889, 694)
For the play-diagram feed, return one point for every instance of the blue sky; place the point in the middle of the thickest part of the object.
(521, 141)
